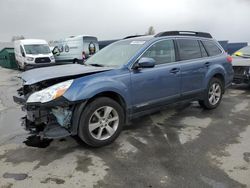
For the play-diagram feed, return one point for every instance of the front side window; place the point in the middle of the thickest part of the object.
(37, 49)
(203, 51)
(162, 52)
(211, 48)
(188, 49)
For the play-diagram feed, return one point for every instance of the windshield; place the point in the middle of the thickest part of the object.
(116, 54)
(245, 50)
(37, 49)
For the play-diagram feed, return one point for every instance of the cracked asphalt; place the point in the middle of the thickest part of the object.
(184, 146)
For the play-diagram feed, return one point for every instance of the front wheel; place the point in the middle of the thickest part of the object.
(213, 94)
(19, 67)
(101, 122)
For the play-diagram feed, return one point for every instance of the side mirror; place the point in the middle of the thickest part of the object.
(56, 51)
(23, 54)
(146, 62)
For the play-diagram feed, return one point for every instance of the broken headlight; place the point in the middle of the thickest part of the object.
(50, 93)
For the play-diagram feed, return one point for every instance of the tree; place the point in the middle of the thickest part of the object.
(17, 37)
(151, 31)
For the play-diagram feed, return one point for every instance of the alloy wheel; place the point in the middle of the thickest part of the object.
(103, 123)
(214, 93)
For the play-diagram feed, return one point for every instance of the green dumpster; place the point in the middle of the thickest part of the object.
(7, 58)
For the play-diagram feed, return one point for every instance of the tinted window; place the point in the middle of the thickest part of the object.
(203, 51)
(189, 49)
(162, 52)
(211, 48)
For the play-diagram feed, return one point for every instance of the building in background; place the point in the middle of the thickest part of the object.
(232, 47)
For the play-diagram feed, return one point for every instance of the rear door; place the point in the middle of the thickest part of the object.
(153, 87)
(193, 66)
(90, 46)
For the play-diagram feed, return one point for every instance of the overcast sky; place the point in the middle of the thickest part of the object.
(111, 19)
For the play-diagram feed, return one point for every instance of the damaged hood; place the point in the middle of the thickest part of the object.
(240, 61)
(48, 73)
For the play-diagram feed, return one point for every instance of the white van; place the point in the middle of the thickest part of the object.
(75, 49)
(32, 52)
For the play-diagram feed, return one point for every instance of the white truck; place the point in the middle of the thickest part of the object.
(75, 49)
(32, 53)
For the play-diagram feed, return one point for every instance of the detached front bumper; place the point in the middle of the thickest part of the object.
(19, 100)
(50, 120)
(241, 74)
(241, 79)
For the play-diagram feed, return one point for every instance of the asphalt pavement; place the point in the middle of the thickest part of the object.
(184, 146)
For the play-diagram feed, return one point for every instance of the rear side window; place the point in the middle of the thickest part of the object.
(188, 49)
(203, 50)
(162, 52)
(211, 48)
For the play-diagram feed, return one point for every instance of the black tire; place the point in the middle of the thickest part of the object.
(76, 61)
(87, 116)
(206, 102)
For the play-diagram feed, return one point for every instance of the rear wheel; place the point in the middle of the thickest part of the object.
(76, 61)
(101, 122)
(213, 94)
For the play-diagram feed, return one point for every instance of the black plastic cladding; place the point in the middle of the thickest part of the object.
(184, 33)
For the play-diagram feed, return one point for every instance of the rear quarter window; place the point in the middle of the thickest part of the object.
(211, 48)
(188, 49)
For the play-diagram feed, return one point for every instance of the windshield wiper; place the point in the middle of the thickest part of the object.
(96, 65)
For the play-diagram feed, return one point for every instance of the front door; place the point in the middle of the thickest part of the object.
(153, 87)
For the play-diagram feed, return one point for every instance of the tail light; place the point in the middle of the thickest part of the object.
(229, 59)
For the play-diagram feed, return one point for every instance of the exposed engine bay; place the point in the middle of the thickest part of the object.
(52, 119)
(241, 66)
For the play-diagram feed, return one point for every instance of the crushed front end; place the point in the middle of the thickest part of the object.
(241, 74)
(49, 114)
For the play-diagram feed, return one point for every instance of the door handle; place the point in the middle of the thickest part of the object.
(207, 64)
(175, 70)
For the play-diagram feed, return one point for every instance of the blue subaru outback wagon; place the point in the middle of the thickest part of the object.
(126, 79)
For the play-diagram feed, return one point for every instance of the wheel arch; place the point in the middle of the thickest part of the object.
(79, 108)
(216, 72)
(220, 77)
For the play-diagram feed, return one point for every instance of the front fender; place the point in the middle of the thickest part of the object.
(86, 88)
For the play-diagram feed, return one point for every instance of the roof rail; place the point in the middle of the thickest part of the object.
(184, 33)
(133, 36)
